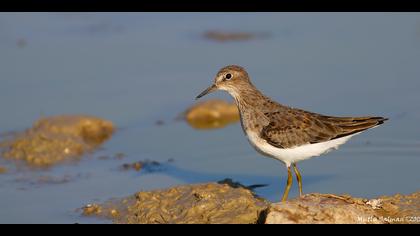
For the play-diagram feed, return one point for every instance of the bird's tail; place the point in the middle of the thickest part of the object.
(352, 125)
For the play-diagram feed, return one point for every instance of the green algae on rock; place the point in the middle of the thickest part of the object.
(191, 204)
(212, 114)
(55, 139)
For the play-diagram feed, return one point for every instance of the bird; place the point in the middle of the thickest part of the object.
(282, 132)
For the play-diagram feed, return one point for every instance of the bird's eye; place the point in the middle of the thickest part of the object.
(228, 76)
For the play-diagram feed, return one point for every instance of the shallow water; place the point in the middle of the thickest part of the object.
(138, 68)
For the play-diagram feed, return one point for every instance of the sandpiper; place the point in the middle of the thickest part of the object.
(282, 132)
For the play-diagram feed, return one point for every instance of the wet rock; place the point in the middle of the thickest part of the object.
(401, 208)
(146, 165)
(212, 114)
(221, 36)
(91, 209)
(137, 166)
(332, 209)
(314, 208)
(232, 202)
(56, 139)
(3, 170)
(192, 204)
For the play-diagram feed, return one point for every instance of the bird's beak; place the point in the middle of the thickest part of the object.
(207, 91)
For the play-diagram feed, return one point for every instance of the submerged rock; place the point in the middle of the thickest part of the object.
(92, 209)
(55, 139)
(212, 114)
(221, 36)
(191, 204)
(149, 166)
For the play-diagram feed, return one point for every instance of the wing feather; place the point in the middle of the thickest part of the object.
(294, 127)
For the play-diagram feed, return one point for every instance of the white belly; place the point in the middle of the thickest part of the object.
(296, 154)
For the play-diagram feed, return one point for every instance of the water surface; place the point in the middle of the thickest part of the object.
(137, 68)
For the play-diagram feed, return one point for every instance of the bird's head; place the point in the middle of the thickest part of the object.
(230, 78)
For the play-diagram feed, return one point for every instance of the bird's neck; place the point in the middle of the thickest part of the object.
(252, 106)
(247, 97)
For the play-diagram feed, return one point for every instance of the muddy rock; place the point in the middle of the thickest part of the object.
(191, 204)
(401, 209)
(332, 209)
(317, 208)
(56, 139)
(211, 114)
(228, 202)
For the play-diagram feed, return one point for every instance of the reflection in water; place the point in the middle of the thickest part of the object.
(212, 114)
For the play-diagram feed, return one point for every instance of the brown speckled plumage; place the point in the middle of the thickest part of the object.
(287, 127)
(285, 133)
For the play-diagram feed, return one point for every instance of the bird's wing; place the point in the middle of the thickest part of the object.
(294, 127)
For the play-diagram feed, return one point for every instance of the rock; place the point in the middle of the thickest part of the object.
(332, 209)
(55, 139)
(401, 208)
(222, 203)
(212, 114)
(91, 209)
(137, 166)
(229, 202)
(316, 208)
(149, 166)
(192, 204)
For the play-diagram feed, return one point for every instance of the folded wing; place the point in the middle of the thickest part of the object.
(293, 127)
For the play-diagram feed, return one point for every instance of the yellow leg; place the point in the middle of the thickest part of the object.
(299, 179)
(289, 184)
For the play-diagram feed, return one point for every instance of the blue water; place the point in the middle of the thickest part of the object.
(137, 68)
